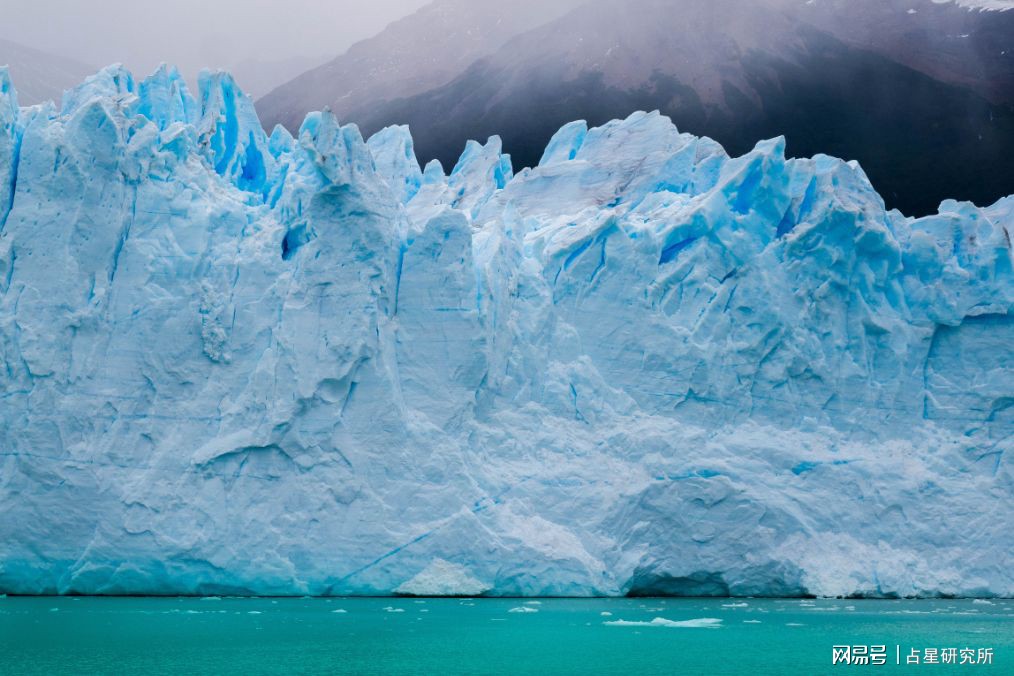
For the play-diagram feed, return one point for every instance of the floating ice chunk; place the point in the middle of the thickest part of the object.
(523, 609)
(697, 623)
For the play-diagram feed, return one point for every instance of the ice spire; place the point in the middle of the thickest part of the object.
(231, 135)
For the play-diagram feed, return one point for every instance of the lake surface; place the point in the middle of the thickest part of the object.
(60, 635)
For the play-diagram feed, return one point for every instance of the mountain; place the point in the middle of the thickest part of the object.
(972, 49)
(40, 76)
(424, 50)
(889, 88)
(260, 76)
(305, 365)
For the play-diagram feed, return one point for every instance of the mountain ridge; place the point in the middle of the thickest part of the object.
(40, 76)
(605, 59)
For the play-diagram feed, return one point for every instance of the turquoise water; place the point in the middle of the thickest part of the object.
(483, 636)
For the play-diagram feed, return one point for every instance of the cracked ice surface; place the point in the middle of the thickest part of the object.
(235, 362)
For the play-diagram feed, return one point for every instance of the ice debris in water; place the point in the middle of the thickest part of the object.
(698, 623)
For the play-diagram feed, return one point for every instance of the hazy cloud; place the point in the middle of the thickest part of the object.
(263, 42)
(196, 33)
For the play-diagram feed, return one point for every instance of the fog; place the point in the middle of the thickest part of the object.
(264, 43)
(195, 34)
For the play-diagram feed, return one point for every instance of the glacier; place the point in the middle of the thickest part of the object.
(236, 362)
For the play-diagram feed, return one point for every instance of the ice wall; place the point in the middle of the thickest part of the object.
(235, 362)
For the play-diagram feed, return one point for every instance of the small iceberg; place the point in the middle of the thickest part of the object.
(523, 609)
(697, 623)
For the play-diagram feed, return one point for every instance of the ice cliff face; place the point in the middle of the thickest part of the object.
(241, 363)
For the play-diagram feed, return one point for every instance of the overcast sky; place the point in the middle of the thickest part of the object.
(289, 36)
(195, 33)
(207, 33)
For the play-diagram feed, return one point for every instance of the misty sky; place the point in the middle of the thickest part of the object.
(263, 42)
(195, 33)
(207, 33)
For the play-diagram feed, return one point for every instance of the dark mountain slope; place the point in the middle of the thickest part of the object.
(423, 50)
(969, 48)
(843, 79)
(40, 76)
